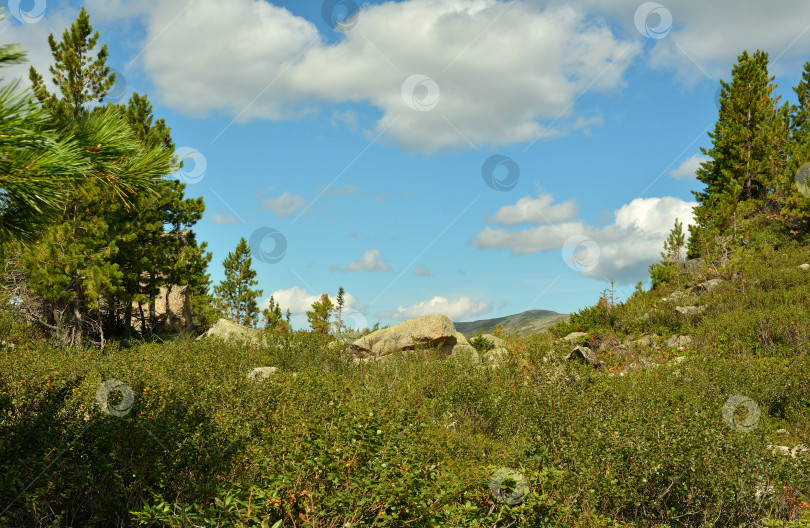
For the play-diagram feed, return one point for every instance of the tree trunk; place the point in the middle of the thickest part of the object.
(128, 320)
(78, 322)
(152, 317)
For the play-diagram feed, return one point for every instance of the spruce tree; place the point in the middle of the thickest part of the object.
(235, 294)
(744, 160)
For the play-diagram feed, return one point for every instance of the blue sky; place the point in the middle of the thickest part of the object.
(473, 158)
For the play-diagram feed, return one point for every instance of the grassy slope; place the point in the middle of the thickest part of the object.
(415, 443)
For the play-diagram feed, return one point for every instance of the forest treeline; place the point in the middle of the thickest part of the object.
(92, 224)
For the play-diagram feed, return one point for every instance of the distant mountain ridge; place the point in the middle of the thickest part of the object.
(522, 324)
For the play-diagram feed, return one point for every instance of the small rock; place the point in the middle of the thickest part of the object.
(674, 296)
(644, 341)
(690, 310)
(804, 267)
(576, 336)
(782, 432)
(260, 373)
(586, 355)
(709, 285)
(793, 452)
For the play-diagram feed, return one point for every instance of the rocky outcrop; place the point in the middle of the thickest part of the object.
(172, 309)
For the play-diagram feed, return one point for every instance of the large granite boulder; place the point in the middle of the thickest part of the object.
(427, 332)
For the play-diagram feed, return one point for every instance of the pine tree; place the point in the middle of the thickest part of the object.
(273, 319)
(72, 277)
(745, 155)
(45, 158)
(235, 293)
(80, 78)
(319, 315)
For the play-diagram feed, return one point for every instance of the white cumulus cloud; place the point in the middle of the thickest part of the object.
(267, 63)
(284, 205)
(537, 211)
(223, 219)
(626, 247)
(456, 309)
(687, 169)
(370, 261)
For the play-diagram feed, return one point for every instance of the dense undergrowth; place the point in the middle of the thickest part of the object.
(415, 442)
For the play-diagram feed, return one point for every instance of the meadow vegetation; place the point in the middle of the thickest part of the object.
(105, 422)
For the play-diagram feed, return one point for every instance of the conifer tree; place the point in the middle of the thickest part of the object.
(744, 161)
(795, 205)
(341, 302)
(235, 294)
(319, 315)
(80, 77)
(273, 320)
(108, 250)
(672, 259)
